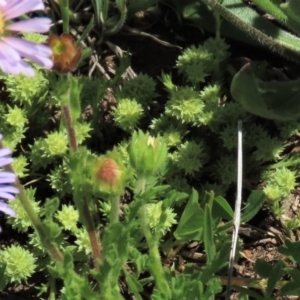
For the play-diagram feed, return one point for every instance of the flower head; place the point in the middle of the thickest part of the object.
(7, 191)
(66, 54)
(13, 49)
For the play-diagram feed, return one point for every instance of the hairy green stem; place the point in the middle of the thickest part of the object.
(140, 185)
(114, 210)
(259, 36)
(91, 230)
(85, 213)
(70, 128)
(153, 243)
(154, 263)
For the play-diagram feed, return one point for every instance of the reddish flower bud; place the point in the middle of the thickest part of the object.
(66, 54)
(109, 171)
(109, 175)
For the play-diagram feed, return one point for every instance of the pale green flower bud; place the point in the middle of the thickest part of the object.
(147, 154)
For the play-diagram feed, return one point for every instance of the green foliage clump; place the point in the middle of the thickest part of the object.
(20, 263)
(189, 157)
(226, 169)
(141, 88)
(82, 132)
(45, 150)
(16, 117)
(82, 241)
(127, 114)
(185, 105)
(55, 143)
(12, 139)
(25, 90)
(268, 148)
(92, 90)
(280, 183)
(19, 165)
(68, 216)
(173, 137)
(196, 63)
(59, 179)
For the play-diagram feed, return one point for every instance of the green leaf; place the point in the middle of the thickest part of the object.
(100, 11)
(190, 226)
(292, 250)
(263, 268)
(68, 261)
(222, 209)
(51, 229)
(249, 292)
(275, 275)
(54, 272)
(65, 13)
(292, 11)
(276, 100)
(291, 288)
(294, 273)
(133, 284)
(219, 261)
(174, 198)
(135, 6)
(254, 203)
(284, 13)
(243, 296)
(51, 207)
(209, 244)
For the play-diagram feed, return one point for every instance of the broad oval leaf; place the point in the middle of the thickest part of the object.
(276, 100)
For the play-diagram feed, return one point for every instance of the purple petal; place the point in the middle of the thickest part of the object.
(26, 47)
(6, 67)
(3, 3)
(7, 177)
(4, 152)
(16, 67)
(5, 161)
(31, 25)
(45, 62)
(8, 192)
(9, 53)
(7, 210)
(17, 8)
(38, 53)
(7, 174)
(9, 189)
(26, 69)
